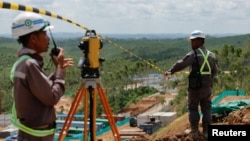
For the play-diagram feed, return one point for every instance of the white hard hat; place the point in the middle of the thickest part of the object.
(197, 34)
(28, 22)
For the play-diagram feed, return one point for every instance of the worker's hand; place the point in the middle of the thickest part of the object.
(60, 61)
(68, 62)
(167, 73)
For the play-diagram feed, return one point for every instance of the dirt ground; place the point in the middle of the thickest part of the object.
(144, 104)
(177, 130)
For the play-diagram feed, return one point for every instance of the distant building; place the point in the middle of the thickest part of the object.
(157, 81)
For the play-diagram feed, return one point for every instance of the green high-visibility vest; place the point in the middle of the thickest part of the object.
(14, 120)
(205, 62)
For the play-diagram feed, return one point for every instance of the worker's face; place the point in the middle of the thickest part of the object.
(40, 41)
(195, 43)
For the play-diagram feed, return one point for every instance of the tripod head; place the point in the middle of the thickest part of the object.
(90, 62)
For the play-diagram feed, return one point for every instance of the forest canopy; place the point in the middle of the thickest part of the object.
(126, 59)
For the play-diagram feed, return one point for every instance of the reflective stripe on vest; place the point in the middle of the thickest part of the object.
(14, 120)
(205, 62)
(12, 72)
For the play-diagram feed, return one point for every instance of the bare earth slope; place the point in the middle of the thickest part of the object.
(177, 130)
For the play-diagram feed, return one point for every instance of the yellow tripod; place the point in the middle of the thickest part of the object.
(91, 85)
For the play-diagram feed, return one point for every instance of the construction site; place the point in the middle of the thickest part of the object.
(147, 119)
(146, 116)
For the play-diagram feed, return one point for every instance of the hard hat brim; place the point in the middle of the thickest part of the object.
(197, 34)
(48, 28)
(194, 37)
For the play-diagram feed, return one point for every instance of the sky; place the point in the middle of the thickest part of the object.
(141, 16)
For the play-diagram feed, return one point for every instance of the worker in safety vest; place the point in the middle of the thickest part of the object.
(203, 69)
(35, 94)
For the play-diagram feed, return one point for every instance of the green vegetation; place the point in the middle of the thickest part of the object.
(120, 67)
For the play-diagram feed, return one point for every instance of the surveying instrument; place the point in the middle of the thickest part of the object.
(91, 84)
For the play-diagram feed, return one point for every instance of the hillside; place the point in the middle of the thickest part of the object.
(179, 128)
(176, 130)
(232, 54)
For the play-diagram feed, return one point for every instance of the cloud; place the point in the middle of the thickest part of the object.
(145, 16)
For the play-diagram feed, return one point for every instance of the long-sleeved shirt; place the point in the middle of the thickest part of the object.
(189, 60)
(35, 94)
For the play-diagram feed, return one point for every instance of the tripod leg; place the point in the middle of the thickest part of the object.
(85, 117)
(109, 114)
(72, 111)
(92, 95)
